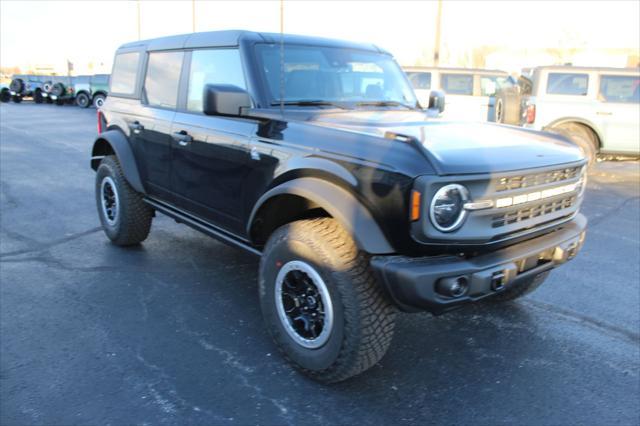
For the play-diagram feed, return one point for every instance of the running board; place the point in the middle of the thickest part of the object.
(200, 225)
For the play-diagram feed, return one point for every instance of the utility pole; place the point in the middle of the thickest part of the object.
(193, 16)
(436, 49)
(138, 5)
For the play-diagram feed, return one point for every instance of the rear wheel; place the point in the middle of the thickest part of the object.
(125, 217)
(37, 97)
(98, 101)
(321, 302)
(582, 137)
(82, 100)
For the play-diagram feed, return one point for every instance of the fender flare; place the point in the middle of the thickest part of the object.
(340, 204)
(119, 144)
(578, 120)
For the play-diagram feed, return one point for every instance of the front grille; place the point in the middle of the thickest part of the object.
(515, 216)
(536, 179)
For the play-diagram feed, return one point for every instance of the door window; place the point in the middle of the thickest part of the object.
(125, 72)
(457, 84)
(163, 77)
(420, 80)
(620, 88)
(219, 66)
(567, 84)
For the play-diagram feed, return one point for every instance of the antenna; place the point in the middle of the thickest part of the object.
(282, 57)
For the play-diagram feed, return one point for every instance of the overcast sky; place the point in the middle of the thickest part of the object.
(40, 32)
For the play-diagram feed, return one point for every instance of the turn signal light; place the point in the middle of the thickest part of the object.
(415, 205)
(531, 113)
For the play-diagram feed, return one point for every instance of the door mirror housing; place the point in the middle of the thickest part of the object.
(436, 101)
(224, 99)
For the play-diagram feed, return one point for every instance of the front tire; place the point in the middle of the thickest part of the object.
(125, 217)
(582, 137)
(17, 99)
(321, 302)
(98, 101)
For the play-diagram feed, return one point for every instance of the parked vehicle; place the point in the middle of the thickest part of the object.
(99, 89)
(5, 93)
(63, 90)
(26, 86)
(599, 108)
(470, 93)
(91, 90)
(315, 155)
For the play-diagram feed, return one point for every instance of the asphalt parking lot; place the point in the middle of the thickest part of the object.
(170, 332)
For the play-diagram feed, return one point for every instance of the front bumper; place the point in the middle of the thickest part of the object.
(412, 282)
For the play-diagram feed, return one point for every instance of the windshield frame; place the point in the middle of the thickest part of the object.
(272, 102)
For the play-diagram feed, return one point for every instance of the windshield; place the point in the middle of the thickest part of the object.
(345, 77)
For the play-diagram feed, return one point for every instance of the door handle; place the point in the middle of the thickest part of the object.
(136, 127)
(182, 137)
(604, 113)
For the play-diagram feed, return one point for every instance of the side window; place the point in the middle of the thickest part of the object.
(620, 88)
(125, 71)
(567, 84)
(420, 80)
(163, 77)
(457, 84)
(217, 66)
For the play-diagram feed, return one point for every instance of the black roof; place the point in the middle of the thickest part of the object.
(231, 38)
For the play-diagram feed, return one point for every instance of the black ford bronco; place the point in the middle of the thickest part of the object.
(315, 155)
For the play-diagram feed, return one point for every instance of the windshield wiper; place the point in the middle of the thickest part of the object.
(308, 102)
(384, 103)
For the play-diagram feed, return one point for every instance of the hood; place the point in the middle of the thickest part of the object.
(460, 147)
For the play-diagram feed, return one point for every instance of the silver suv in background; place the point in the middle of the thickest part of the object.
(470, 94)
(598, 108)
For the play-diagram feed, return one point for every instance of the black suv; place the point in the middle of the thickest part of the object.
(314, 155)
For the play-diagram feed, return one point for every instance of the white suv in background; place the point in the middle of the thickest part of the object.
(599, 108)
(469, 93)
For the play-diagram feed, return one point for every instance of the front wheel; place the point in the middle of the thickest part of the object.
(17, 99)
(321, 301)
(98, 101)
(125, 217)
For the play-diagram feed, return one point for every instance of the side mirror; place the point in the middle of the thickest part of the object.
(224, 99)
(436, 100)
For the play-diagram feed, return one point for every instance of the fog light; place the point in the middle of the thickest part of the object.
(453, 287)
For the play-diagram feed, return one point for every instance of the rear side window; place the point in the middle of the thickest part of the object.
(220, 66)
(420, 80)
(125, 71)
(457, 84)
(620, 88)
(163, 77)
(567, 84)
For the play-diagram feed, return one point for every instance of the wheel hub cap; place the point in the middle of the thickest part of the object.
(109, 200)
(304, 305)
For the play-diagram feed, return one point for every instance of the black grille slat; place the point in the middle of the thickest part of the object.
(523, 214)
(536, 179)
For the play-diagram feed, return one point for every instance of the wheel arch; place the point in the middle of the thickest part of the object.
(114, 142)
(312, 197)
(99, 92)
(581, 121)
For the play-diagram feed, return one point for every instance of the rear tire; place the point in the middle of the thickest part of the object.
(82, 100)
(37, 97)
(520, 290)
(98, 101)
(125, 217)
(349, 318)
(582, 137)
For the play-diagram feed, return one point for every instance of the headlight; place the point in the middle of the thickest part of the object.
(447, 207)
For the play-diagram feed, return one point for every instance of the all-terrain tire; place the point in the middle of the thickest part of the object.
(519, 290)
(363, 316)
(37, 97)
(132, 221)
(582, 137)
(83, 100)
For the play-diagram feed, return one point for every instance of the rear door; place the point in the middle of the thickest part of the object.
(211, 153)
(618, 111)
(151, 126)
